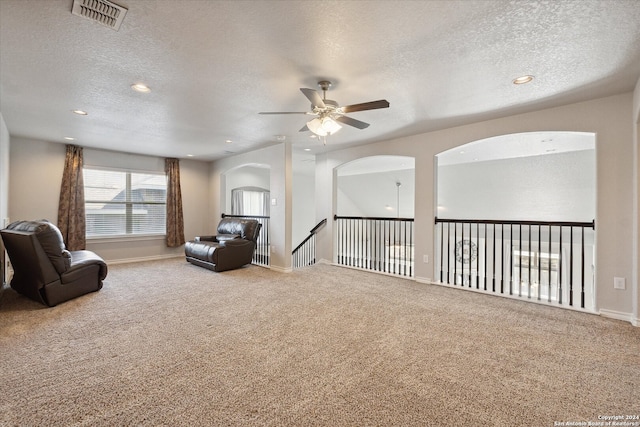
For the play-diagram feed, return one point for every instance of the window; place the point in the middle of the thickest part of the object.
(251, 201)
(124, 203)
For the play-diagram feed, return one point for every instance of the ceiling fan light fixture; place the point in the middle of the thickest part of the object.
(330, 125)
(315, 126)
(323, 126)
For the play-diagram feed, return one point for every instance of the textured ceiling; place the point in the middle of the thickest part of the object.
(213, 65)
(518, 145)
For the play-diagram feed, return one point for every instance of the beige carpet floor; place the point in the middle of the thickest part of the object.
(165, 343)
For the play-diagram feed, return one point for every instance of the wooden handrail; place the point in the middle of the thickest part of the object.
(336, 217)
(313, 231)
(224, 215)
(591, 224)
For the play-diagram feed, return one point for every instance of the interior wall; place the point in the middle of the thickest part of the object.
(303, 217)
(608, 118)
(4, 172)
(636, 204)
(383, 202)
(4, 189)
(35, 179)
(551, 187)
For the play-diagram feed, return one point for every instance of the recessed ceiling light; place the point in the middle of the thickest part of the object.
(462, 152)
(280, 138)
(313, 136)
(307, 149)
(80, 112)
(69, 138)
(522, 80)
(142, 88)
(228, 141)
(189, 155)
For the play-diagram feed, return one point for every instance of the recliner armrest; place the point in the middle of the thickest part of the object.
(217, 238)
(80, 259)
(205, 239)
(236, 242)
(226, 237)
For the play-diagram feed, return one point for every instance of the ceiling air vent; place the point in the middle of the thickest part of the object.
(102, 11)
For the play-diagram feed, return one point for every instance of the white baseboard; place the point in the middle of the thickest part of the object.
(381, 273)
(612, 314)
(280, 269)
(619, 315)
(142, 259)
(511, 297)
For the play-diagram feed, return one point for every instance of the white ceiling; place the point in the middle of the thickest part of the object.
(518, 145)
(213, 65)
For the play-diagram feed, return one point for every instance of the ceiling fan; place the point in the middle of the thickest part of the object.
(328, 113)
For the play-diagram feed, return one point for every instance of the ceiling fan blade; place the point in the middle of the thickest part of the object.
(313, 96)
(352, 122)
(373, 105)
(284, 112)
(304, 129)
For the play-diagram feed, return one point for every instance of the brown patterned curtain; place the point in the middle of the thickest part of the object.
(71, 220)
(175, 220)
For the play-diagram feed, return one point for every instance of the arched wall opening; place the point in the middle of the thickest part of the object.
(245, 191)
(374, 204)
(249, 176)
(515, 217)
(534, 175)
(376, 186)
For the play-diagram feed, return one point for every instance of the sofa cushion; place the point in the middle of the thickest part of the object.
(50, 239)
(225, 237)
(245, 228)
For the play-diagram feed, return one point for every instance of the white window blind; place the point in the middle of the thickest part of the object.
(124, 203)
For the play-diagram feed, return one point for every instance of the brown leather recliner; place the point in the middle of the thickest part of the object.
(231, 248)
(44, 270)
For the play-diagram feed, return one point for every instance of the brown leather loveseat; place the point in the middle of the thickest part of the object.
(231, 248)
(44, 270)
